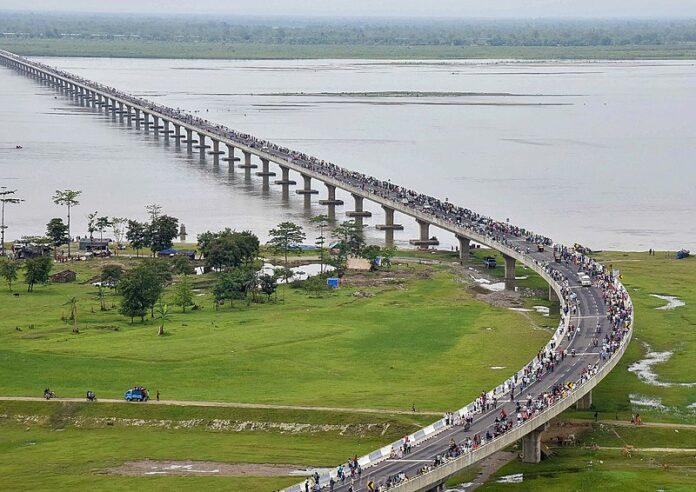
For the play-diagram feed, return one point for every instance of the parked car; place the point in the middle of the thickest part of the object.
(489, 262)
(137, 394)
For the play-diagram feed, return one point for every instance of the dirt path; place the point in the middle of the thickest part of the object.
(224, 404)
(626, 423)
(649, 450)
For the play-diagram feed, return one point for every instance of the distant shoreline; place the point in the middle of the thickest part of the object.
(255, 51)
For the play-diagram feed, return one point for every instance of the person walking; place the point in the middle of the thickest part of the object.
(157, 395)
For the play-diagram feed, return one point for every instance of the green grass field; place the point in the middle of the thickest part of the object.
(664, 330)
(585, 468)
(203, 50)
(338, 350)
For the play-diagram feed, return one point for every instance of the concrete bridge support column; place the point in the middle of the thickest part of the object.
(389, 226)
(120, 111)
(129, 115)
(424, 241)
(247, 165)
(189, 140)
(359, 213)
(201, 145)
(155, 124)
(265, 173)
(584, 403)
(137, 118)
(531, 445)
(307, 191)
(216, 152)
(167, 131)
(555, 307)
(146, 121)
(230, 158)
(464, 248)
(285, 181)
(177, 135)
(509, 272)
(331, 201)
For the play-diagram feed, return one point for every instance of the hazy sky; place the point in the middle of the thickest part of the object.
(391, 8)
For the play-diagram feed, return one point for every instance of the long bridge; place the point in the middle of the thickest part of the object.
(596, 320)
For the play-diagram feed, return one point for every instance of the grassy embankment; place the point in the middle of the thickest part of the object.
(193, 50)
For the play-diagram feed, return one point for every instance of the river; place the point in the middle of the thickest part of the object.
(600, 153)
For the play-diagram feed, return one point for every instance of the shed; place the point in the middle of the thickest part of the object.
(63, 277)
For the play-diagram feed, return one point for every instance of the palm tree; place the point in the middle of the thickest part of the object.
(162, 315)
(322, 221)
(72, 302)
(69, 199)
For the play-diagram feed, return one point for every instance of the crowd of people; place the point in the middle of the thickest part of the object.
(524, 242)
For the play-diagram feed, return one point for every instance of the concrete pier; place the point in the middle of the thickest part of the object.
(425, 240)
(201, 144)
(389, 226)
(137, 119)
(216, 152)
(307, 189)
(584, 403)
(510, 263)
(265, 172)
(464, 248)
(555, 307)
(531, 445)
(285, 181)
(155, 124)
(230, 159)
(359, 212)
(331, 201)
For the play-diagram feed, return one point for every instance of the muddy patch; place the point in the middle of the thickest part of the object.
(157, 468)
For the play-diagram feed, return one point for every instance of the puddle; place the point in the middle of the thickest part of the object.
(673, 302)
(158, 468)
(514, 478)
(646, 401)
(302, 272)
(644, 370)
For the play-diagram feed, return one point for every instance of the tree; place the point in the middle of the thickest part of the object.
(140, 289)
(136, 235)
(181, 265)
(101, 224)
(92, 224)
(183, 294)
(6, 197)
(286, 236)
(9, 271)
(68, 198)
(117, 227)
(322, 221)
(228, 249)
(57, 232)
(160, 233)
(154, 211)
(268, 284)
(111, 274)
(231, 285)
(350, 236)
(37, 271)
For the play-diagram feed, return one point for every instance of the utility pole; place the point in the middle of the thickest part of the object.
(6, 196)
